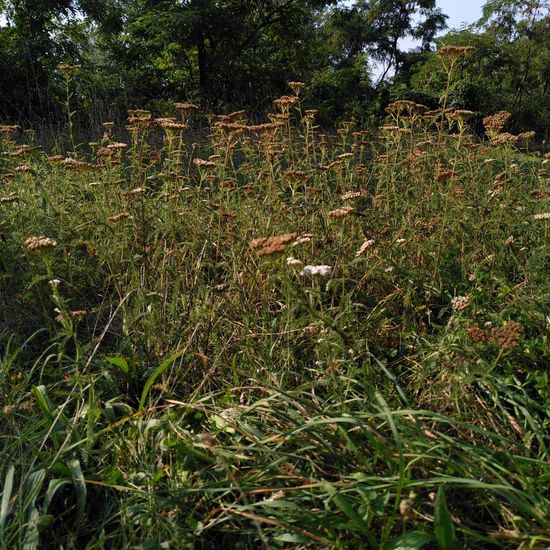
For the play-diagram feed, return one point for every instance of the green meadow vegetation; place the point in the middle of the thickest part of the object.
(223, 333)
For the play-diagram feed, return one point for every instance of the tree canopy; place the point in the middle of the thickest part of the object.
(229, 53)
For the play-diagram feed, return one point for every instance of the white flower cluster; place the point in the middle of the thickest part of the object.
(316, 270)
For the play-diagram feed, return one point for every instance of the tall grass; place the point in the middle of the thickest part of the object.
(372, 376)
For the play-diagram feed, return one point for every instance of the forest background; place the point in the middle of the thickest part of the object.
(234, 53)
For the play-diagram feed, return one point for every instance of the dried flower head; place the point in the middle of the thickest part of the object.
(12, 197)
(186, 106)
(266, 246)
(291, 260)
(23, 168)
(285, 102)
(460, 303)
(454, 52)
(67, 69)
(508, 336)
(350, 195)
(40, 244)
(341, 212)
(297, 87)
(204, 164)
(76, 315)
(494, 123)
(304, 238)
(478, 335)
(367, 244)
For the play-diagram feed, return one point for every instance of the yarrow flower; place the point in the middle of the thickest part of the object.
(316, 270)
(266, 246)
(460, 303)
(341, 212)
(351, 195)
(291, 260)
(38, 244)
(542, 216)
(364, 246)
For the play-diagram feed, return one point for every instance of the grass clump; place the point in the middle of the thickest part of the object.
(262, 336)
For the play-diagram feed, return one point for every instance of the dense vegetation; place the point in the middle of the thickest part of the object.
(228, 330)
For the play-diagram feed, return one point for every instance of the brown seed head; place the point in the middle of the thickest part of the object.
(508, 336)
(270, 245)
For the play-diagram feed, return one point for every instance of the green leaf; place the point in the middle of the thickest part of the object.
(155, 374)
(412, 540)
(443, 523)
(293, 538)
(6, 494)
(53, 487)
(32, 536)
(121, 363)
(46, 406)
(346, 506)
(79, 485)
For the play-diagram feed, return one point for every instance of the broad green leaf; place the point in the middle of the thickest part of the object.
(155, 374)
(79, 485)
(6, 494)
(443, 523)
(119, 362)
(412, 540)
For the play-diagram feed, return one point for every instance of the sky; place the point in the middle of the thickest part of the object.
(459, 12)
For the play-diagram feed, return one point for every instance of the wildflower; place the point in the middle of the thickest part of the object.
(316, 270)
(494, 123)
(12, 197)
(24, 168)
(400, 241)
(389, 269)
(117, 145)
(405, 508)
(304, 238)
(204, 164)
(454, 52)
(267, 246)
(508, 336)
(478, 335)
(285, 102)
(172, 125)
(542, 216)
(54, 282)
(67, 69)
(460, 303)
(445, 175)
(341, 212)
(119, 217)
(295, 175)
(351, 195)
(186, 106)
(297, 87)
(39, 244)
(364, 246)
(291, 260)
(73, 315)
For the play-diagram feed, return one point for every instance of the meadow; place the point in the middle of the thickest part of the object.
(250, 335)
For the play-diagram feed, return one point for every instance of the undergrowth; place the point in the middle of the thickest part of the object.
(373, 375)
